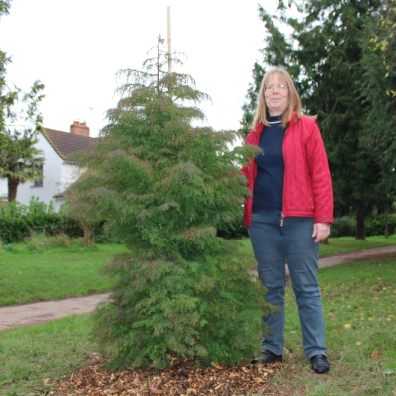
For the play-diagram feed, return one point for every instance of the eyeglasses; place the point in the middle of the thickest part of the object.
(271, 87)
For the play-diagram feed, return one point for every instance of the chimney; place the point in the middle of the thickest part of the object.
(79, 128)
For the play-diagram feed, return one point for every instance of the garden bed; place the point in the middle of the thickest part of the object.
(182, 379)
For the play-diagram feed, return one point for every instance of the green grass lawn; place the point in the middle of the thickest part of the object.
(29, 276)
(360, 318)
(339, 245)
(350, 244)
(30, 356)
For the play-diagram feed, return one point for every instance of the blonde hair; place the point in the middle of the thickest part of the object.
(294, 104)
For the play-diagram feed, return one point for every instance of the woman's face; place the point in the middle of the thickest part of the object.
(276, 95)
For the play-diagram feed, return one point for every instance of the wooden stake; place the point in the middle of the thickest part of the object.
(169, 41)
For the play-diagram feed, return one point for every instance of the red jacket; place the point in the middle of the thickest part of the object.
(307, 187)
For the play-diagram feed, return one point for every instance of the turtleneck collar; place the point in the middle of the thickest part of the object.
(273, 120)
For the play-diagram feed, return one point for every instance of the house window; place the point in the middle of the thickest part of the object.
(39, 181)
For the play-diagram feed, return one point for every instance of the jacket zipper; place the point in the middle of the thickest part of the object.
(282, 216)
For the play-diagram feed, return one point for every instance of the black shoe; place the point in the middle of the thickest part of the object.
(267, 357)
(320, 364)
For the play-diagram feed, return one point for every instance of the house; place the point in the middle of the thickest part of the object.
(58, 170)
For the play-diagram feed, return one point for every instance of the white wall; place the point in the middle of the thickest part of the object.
(69, 173)
(51, 171)
(58, 175)
(3, 188)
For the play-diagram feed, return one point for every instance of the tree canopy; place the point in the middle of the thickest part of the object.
(349, 83)
(168, 185)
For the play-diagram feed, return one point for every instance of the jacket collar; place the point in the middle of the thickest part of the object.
(293, 118)
(258, 130)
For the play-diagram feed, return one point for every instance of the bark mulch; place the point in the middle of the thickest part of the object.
(180, 380)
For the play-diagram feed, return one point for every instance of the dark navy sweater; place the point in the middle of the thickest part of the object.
(268, 187)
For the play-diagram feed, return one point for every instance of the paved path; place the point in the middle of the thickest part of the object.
(36, 313)
(342, 258)
(23, 315)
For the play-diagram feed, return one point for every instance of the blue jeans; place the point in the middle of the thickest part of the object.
(273, 246)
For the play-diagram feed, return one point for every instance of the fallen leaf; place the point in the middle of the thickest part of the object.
(375, 354)
(156, 391)
(182, 379)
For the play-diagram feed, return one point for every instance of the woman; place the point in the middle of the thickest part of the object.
(289, 212)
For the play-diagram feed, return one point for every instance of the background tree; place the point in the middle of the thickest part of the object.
(163, 186)
(81, 206)
(379, 93)
(6, 97)
(20, 160)
(20, 122)
(325, 53)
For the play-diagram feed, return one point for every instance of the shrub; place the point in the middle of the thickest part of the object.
(236, 230)
(17, 221)
(61, 240)
(164, 188)
(380, 224)
(343, 226)
(161, 312)
(374, 225)
(38, 242)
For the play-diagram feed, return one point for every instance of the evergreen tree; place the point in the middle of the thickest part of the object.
(379, 93)
(163, 187)
(325, 54)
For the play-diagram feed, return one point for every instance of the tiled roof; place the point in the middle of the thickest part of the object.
(65, 143)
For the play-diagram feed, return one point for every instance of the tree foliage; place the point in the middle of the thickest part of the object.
(163, 186)
(4, 7)
(341, 77)
(379, 93)
(6, 97)
(20, 160)
(161, 312)
(20, 122)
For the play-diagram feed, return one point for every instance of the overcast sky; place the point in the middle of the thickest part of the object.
(75, 47)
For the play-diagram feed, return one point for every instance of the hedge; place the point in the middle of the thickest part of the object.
(343, 226)
(17, 221)
(374, 225)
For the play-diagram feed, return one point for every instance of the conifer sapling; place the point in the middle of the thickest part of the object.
(163, 187)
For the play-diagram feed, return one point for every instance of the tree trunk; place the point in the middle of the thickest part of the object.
(386, 227)
(12, 188)
(87, 234)
(360, 217)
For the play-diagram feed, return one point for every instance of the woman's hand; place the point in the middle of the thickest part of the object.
(321, 231)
